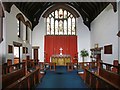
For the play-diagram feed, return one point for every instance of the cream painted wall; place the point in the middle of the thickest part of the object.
(11, 33)
(103, 31)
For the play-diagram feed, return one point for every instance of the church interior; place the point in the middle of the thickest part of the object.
(60, 45)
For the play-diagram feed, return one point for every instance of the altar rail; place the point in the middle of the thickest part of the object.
(27, 82)
(95, 82)
(110, 67)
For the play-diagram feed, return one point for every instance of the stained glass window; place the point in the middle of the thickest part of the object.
(48, 25)
(61, 22)
(65, 27)
(56, 27)
(52, 26)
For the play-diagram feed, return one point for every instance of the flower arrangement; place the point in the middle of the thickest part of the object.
(84, 53)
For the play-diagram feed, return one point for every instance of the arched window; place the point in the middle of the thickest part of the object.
(61, 22)
(20, 19)
(28, 31)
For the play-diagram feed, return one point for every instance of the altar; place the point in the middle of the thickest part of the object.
(61, 60)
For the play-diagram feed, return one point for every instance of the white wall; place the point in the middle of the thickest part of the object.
(38, 38)
(11, 33)
(83, 35)
(40, 30)
(3, 45)
(119, 28)
(103, 31)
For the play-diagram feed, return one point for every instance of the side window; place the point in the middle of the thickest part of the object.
(28, 31)
(20, 22)
(23, 28)
(18, 28)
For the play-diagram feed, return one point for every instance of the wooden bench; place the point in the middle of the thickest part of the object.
(13, 76)
(26, 82)
(110, 76)
(95, 81)
(86, 65)
(109, 67)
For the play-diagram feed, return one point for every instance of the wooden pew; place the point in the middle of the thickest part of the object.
(88, 65)
(96, 82)
(30, 63)
(4, 67)
(116, 63)
(10, 68)
(109, 67)
(11, 77)
(110, 76)
(27, 82)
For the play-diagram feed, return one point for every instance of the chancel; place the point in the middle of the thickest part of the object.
(60, 45)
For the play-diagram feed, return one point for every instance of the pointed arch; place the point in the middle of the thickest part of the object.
(64, 6)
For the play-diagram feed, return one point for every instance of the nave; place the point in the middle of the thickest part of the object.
(40, 75)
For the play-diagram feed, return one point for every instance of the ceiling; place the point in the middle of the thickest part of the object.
(33, 10)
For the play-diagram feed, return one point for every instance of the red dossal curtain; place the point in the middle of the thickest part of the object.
(54, 43)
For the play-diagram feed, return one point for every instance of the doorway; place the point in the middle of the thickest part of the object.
(35, 53)
(16, 54)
